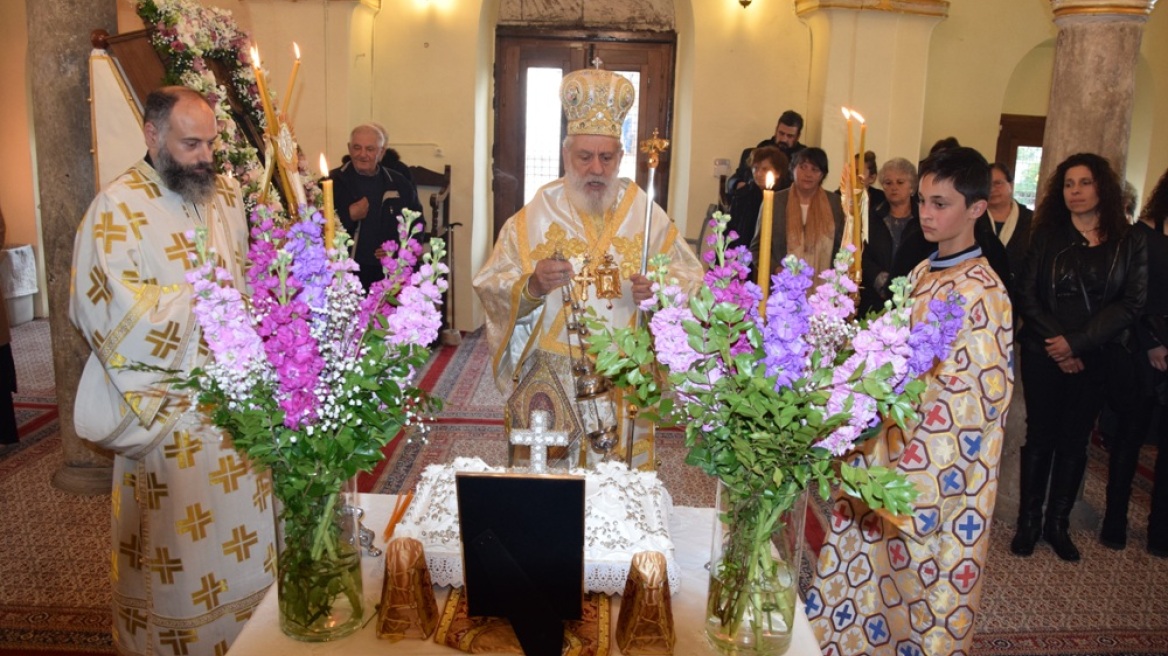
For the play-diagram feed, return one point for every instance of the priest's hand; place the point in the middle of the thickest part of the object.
(359, 210)
(549, 275)
(642, 287)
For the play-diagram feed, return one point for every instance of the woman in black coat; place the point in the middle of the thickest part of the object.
(1085, 284)
(1151, 361)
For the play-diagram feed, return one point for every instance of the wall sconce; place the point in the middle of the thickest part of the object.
(744, 3)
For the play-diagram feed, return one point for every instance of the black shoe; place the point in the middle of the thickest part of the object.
(1113, 535)
(1158, 543)
(1025, 538)
(1059, 538)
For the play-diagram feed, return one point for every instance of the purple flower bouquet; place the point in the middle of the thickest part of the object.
(770, 405)
(311, 377)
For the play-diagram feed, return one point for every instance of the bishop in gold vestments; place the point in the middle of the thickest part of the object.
(910, 585)
(193, 540)
(592, 213)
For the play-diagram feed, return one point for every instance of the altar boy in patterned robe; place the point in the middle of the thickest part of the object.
(910, 585)
(193, 539)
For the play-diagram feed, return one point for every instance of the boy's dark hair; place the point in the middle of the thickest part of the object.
(793, 119)
(964, 167)
(812, 155)
(944, 144)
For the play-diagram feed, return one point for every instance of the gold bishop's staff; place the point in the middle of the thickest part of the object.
(653, 147)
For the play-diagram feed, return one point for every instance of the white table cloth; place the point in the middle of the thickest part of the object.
(691, 528)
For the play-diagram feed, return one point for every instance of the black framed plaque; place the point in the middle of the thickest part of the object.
(523, 552)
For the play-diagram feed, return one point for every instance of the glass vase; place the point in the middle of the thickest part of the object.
(319, 566)
(754, 573)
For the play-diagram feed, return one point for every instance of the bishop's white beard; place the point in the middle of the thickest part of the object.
(593, 202)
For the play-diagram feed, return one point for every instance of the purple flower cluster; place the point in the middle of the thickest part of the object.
(283, 314)
(310, 265)
(832, 298)
(785, 346)
(909, 352)
(670, 339)
(398, 263)
(417, 319)
(294, 355)
(730, 282)
(227, 329)
(931, 339)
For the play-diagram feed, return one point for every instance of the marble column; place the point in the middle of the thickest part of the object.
(58, 70)
(1093, 85)
(845, 72)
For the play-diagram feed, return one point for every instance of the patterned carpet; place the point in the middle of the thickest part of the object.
(54, 592)
(54, 585)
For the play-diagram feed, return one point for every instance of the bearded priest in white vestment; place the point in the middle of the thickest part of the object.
(193, 538)
(589, 212)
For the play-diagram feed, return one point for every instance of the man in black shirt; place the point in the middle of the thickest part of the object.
(786, 139)
(368, 199)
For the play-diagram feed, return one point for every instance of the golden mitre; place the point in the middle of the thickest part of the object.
(596, 101)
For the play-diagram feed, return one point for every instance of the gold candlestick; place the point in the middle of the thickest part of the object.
(858, 205)
(262, 87)
(765, 237)
(330, 213)
(291, 81)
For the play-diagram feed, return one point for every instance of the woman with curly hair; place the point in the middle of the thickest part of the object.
(1085, 284)
(1151, 362)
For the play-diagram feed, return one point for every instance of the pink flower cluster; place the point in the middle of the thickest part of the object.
(297, 338)
(227, 330)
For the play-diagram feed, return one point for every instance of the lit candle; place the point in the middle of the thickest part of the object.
(849, 148)
(858, 190)
(330, 214)
(262, 87)
(863, 136)
(764, 238)
(292, 82)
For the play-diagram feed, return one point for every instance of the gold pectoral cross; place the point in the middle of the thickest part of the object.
(583, 280)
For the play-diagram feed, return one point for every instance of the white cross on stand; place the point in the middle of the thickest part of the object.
(539, 438)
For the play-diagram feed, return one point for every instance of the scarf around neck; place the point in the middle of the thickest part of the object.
(812, 242)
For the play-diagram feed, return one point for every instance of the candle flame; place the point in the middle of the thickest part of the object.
(770, 179)
(296, 49)
(255, 56)
(856, 115)
(324, 169)
(847, 112)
